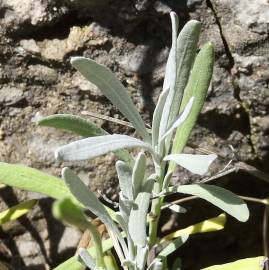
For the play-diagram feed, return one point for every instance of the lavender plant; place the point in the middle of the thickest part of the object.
(133, 228)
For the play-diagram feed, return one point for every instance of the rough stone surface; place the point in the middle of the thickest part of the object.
(132, 38)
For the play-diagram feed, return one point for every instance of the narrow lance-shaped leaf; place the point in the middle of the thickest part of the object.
(30, 179)
(26, 178)
(112, 88)
(256, 263)
(157, 115)
(182, 117)
(89, 200)
(16, 211)
(125, 179)
(197, 87)
(186, 51)
(197, 164)
(170, 76)
(171, 61)
(208, 225)
(121, 220)
(173, 246)
(125, 206)
(65, 210)
(138, 173)
(80, 126)
(141, 257)
(138, 219)
(72, 123)
(93, 147)
(220, 197)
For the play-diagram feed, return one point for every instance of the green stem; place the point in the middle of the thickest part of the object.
(156, 206)
(110, 261)
(98, 245)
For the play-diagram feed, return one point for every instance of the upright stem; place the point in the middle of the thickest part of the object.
(97, 244)
(156, 206)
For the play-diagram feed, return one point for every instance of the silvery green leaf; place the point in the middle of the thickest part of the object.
(157, 116)
(141, 257)
(170, 75)
(112, 88)
(186, 51)
(220, 197)
(197, 87)
(130, 242)
(125, 206)
(93, 147)
(72, 123)
(182, 117)
(125, 179)
(148, 185)
(138, 173)
(197, 164)
(138, 219)
(89, 200)
(88, 260)
(173, 246)
(177, 208)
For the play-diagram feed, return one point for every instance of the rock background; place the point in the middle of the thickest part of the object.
(37, 39)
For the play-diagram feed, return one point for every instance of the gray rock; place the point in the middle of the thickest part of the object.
(30, 45)
(10, 95)
(40, 73)
(69, 239)
(29, 12)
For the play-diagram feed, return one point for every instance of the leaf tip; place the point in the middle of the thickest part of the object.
(75, 59)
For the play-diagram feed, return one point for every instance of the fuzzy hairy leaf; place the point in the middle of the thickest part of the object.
(138, 219)
(220, 197)
(90, 201)
(180, 119)
(112, 88)
(26, 178)
(141, 257)
(186, 51)
(138, 173)
(243, 264)
(81, 127)
(170, 76)
(125, 179)
(72, 123)
(197, 87)
(197, 164)
(93, 147)
(157, 115)
(16, 211)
